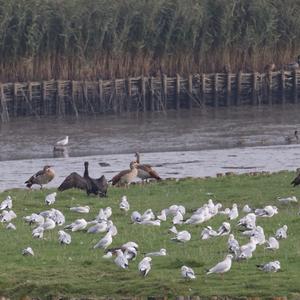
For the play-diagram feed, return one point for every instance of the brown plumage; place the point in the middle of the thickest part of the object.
(296, 181)
(145, 171)
(90, 185)
(126, 176)
(41, 177)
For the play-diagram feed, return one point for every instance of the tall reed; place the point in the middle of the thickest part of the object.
(91, 39)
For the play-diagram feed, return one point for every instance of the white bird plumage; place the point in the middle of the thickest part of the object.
(80, 209)
(63, 142)
(50, 199)
(222, 267)
(187, 273)
(145, 266)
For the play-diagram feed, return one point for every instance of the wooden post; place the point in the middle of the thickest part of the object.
(282, 85)
(3, 106)
(269, 88)
(73, 88)
(152, 104)
(215, 91)
(190, 89)
(43, 99)
(15, 100)
(238, 88)
(203, 89)
(177, 97)
(29, 98)
(254, 88)
(129, 94)
(143, 92)
(228, 89)
(57, 108)
(295, 86)
(165, 91)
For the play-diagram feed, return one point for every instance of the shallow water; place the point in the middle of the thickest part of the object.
(179, 144)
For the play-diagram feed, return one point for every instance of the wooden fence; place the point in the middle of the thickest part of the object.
(60, 97)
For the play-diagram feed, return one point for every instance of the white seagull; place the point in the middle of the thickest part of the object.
(11, 226)
(281, 233)
(222, 267)
(272, 244)
(182, 236)
(121, 260)
(105, 241)
(28, 252)
(272, 266)
(64, 238)
(288, 200)
(233, 245)
(208, 233)
(77, 225)
(224, 229)
(81, 209)
(187, 273)
(145, 266)
(63, 142)
(50, 199)
(124, 204)
(161, 252)
(234, 213)
(6, 204)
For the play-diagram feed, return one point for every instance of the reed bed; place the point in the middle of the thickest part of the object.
(93, 39)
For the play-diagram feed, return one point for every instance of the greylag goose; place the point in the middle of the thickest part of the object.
(145, 171)
(125, 177)
(41, 177)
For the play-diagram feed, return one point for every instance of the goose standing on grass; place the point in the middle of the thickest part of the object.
(222, 267)
(125, 177)
(145, 171)
(41, 177)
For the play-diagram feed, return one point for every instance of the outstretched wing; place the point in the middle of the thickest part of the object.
(296, 181)
(74, 180)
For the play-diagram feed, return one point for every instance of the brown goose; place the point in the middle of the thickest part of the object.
(90, 185)
(41, 177)
(145, 171)
(125, 177)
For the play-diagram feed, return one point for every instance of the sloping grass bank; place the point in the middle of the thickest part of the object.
(80, 271)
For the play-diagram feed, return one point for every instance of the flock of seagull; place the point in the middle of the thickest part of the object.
(176, 214)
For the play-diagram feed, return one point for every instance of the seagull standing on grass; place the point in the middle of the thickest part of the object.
(182, 236)
(222, 267)
(6, 204)
(272, 266)
(281, 233)
(145, 266)
(121, 260)
(124, 204)
(272, 244)
(161, 252)
(187, 273)
(50, 199)
(105, 242)
(81, 209)
(64, 238)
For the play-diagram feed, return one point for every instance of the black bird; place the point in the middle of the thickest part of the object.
(90, 185)
(296, 181)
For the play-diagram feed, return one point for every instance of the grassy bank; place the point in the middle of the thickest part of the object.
(79, 271)
(91, 39)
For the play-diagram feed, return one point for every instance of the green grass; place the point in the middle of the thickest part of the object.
(79, 271)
